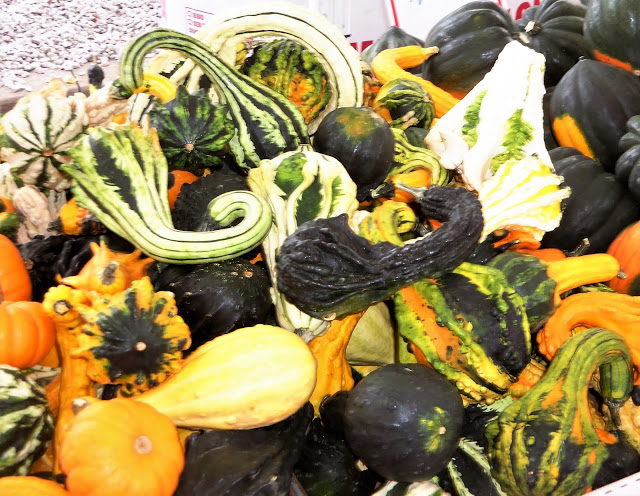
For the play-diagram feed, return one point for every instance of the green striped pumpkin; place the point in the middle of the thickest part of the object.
(26, 424)
(38, 131)
(404, 103)
(545, 442)
(193, 131)
(293, 71)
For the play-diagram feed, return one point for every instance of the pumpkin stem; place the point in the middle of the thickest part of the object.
(143, 445)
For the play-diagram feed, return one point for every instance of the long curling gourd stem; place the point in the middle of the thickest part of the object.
(573, 272)
(390, 64)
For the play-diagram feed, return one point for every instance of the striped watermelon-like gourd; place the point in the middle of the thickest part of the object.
(26, 423)
(404, 103)
(38, 131)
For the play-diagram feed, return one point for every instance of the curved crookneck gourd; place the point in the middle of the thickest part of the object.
(120, 176)
(545, 443)
(329, 271)
(266, 122)
(470, 325)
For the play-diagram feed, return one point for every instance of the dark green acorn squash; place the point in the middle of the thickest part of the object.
(394, 37)
(545, 443)
(404, 421)
(627, 167)
(26, 423)
(598, 208)
(193, 131)
(218, 297)
(611, 31)
(362, 141)
(623, 461)
(293, 71)
(251, 462)
(590, 107)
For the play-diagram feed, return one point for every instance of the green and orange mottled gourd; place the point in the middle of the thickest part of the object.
(545, 443)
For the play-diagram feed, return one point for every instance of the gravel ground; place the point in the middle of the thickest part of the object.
(54, 37)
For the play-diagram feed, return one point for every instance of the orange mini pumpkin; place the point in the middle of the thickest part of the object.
(15, 283)
(27, 333)
(626, 248)
(30, 485)
(121, 447)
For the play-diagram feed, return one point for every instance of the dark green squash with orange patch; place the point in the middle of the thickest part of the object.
(545, 443)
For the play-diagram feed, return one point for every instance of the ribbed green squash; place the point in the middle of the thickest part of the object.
(627, 169)
(611, 31)
(545, 443)
(26, 424)
(590, 107)
(192, 130)
(293, 71)
(404, 103)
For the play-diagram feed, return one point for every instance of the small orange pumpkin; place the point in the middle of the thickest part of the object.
(15, 283)
(178, 178)
(121, 447)
(626, 248)
(6, 205)
(30, 485)
(27, 333)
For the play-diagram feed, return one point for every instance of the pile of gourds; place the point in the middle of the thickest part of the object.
(263, 263)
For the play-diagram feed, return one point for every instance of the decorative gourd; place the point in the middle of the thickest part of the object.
(27, 333)
(328, 271)
(19, 485)
(25, 421)
(121, 447)
(177, 179)
(625, 248)
(393, 37)
(598, 208)
(545, 442)
(554, 29)
(216, 390)
(133, 160)
(75, 220)
(404, 103)
(9, 220)
(133, 338)
(403, 421)
(542, 283)
(627, 168)
(362, 141)
(610, 30)
(590, 107)
(218, 297)
(38, 131)
(256, 461)
(391, 63)
(292, 70)
(193, 131)
(15, 283)
(300, 186)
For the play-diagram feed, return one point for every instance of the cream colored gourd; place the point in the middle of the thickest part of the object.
(251, 377)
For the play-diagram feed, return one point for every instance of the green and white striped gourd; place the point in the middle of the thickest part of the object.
(322, 38)
(300, 186)
(266, 122)
(38, 131)
(26, 423)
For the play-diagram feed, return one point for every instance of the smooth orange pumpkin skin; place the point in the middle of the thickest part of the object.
(99, 456)
(626, 249)
(29, 485)
(15, 283)
(27, 333)
(180, 178)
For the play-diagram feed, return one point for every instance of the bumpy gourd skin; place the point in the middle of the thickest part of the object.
(327, 270)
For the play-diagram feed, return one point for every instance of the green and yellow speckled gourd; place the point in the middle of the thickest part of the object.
(545, 443)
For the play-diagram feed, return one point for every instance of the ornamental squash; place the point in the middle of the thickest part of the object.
(193, 131)
(26, 422)
(121, 447)
(626, 249)
(27, 333)
(611, 32)
(292, 70)
(545, 442)
(404, 103)
(15, 283)
(19, 485)
(590, 107)
(393, 37)
(598, 208)
(627, 168)
(215, 389)
(403, 421)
